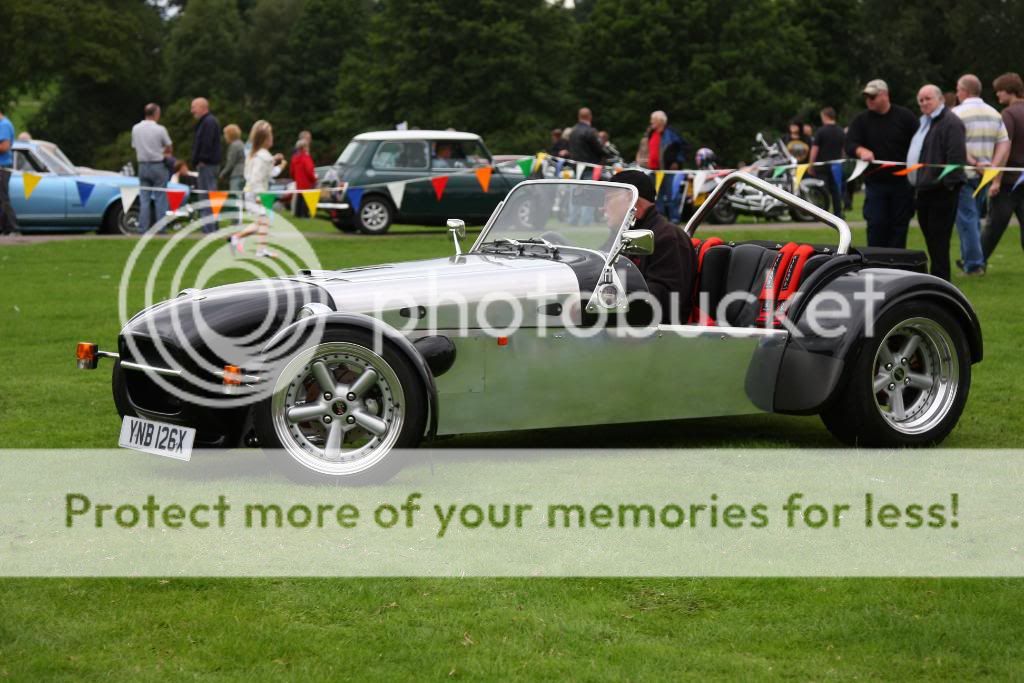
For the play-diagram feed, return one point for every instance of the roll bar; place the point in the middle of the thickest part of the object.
(787, 198)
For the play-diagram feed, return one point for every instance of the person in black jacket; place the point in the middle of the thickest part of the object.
(671, 269)
(206, 152)
(584, 145)
(940, 139)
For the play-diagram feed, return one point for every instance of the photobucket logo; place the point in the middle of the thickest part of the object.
(201, 343)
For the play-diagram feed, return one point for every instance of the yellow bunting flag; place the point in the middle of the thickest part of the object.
(29, 182)
(312, 198)
(483, 176)
(539, 160)
(658, 178)
(800, 170)
(987, 177)
(217, 200)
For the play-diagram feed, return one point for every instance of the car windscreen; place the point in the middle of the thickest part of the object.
(569, 213)
(352, 153)
(55, 159)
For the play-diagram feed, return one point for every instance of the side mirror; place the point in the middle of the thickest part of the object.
(638, 243)
(457, 227)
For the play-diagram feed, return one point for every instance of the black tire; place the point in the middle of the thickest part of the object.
(815, 195)
(723, 213)
(286, 443)
(375, 215)
(117, 222)
(345, 224)
(858, 416)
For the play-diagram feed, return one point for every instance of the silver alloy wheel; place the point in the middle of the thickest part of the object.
(374, 215)
(916, 376)
(338, 408)
(128, 223)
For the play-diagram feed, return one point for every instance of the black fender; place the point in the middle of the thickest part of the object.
(307, 327)
(814, 360)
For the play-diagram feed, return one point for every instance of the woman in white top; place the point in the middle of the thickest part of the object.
(260, 167)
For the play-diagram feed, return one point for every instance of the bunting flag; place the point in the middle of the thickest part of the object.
(128, 195)
(29, 182)
(267, 199)
(659, 178)
(312, 198)
(596, 173)
(174, 199)
(799, 175)
(566, 174)
(559, 163)
(539, 160)
(947, 170)
(857, 170)
(1020, 177)
(355, 198)
(779, 170)
(908, 170)
(580, 168)
(397, 191)
(986, 178)
(483, 176)
(677, 182)
(84, 191)
(439, 184)
(525, 165)
(698, 182)
(217, 200)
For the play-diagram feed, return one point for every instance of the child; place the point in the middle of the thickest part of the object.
(260, 167)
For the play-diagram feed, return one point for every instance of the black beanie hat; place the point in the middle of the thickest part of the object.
(637, 179)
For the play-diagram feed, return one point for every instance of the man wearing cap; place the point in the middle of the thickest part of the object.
(882, 134)
(671, 269)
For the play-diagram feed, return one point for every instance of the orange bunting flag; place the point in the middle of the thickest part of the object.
(439, 183)
(217, 200)
(986, 178)
(483, 176)
(659, 177)
(174, 199)
(909, 169)
(29, 182)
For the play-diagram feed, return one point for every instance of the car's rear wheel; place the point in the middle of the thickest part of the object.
(907, 385)
(345, 224)
(118, 222)
(340, 409)
(375, 215)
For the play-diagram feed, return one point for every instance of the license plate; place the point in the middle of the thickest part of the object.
(157, 438)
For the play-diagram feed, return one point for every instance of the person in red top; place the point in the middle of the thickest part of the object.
(304, 175)
(666, 151)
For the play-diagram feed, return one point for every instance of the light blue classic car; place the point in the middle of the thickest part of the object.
(56, 202)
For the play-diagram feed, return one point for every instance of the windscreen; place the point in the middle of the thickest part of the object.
(576, 214)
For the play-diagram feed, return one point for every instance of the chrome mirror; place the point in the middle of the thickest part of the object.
(457, 227)
(638, 243)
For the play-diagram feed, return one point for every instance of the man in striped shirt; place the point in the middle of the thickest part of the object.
(986, 135)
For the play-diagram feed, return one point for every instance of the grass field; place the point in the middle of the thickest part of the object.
(58, 292)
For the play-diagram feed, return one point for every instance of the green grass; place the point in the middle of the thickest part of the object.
(57, 293)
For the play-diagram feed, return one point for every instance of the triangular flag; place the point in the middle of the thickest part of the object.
(779, 170)
(217, 199)
(800, 170)
(859, 168)
(355, 198)
(483, 176)
(908, 170)
(312, 198)
(84, 191)
(986, 178)
(1020, 178)
(267, 199)
(397, 191)
(439, 184)
(580, 168)
(698, 182)
(949, 168)
(596, 173)
(525, 165)
(174, 199)
(559, 163)
(128, 195)
(541, 156)
(29, 182)
(659, 178)
(677, 182)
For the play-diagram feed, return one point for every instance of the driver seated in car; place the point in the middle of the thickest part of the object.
(671, 269)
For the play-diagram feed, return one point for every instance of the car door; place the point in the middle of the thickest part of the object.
(404, 160)
(47, 205)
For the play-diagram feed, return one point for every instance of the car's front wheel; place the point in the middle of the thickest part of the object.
(118, 222)
(907, 385)
(375, 215)
(340, 409)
